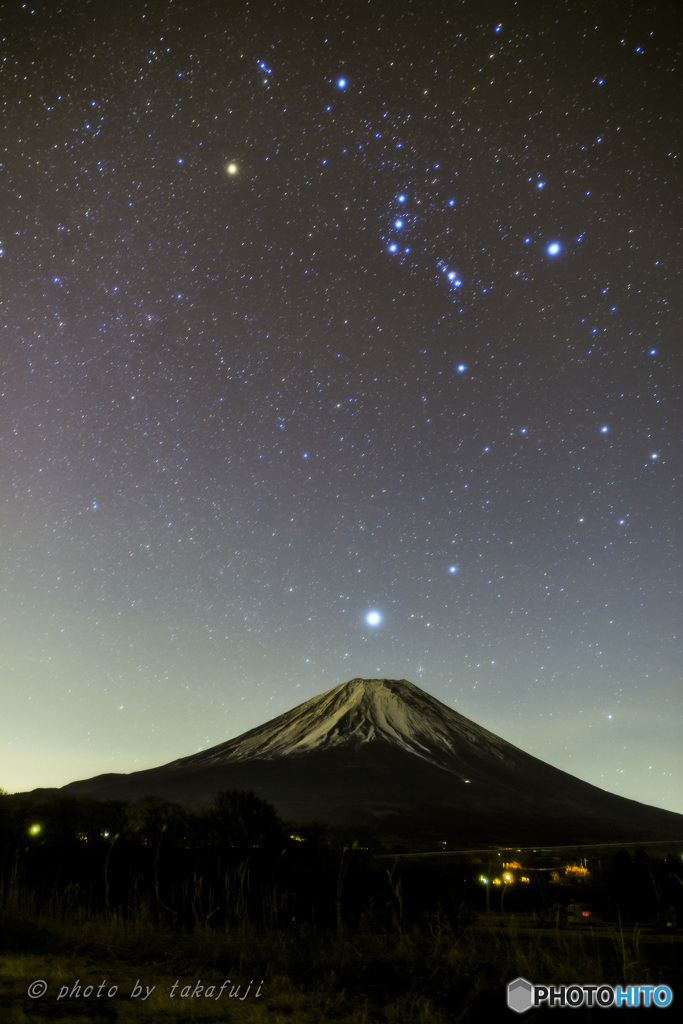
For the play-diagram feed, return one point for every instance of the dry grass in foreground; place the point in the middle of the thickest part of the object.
(435, 973)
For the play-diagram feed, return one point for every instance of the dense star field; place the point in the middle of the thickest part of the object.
(340, 340)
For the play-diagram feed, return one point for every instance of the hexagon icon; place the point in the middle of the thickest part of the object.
(520, 995)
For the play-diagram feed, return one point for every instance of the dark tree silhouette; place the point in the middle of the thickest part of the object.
(243, 821)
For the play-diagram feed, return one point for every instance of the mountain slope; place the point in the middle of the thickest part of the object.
(384, 753)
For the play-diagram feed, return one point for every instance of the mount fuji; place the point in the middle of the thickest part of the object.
(383, 753)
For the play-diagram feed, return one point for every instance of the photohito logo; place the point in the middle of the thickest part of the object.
(522, 995)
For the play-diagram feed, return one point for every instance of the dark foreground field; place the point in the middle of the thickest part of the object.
(163, 920)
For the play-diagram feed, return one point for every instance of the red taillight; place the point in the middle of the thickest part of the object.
(585, 913)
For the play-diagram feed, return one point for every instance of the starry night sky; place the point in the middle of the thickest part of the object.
(340, 339)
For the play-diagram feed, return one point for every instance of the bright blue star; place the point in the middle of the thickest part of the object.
(373, 618)
(401, 199)
(604, 430)
(393, 247)
(341, 83)
(452, 569)
(398, 224)
(554, 249)
(461, 368)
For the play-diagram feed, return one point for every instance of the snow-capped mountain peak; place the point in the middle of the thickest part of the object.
(358, 712)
